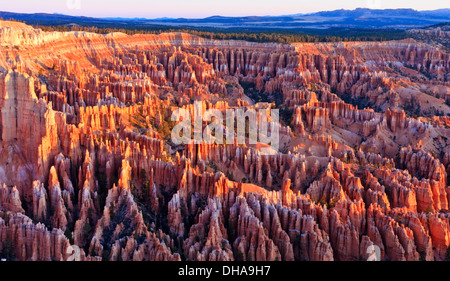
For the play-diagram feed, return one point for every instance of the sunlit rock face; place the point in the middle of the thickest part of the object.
(88, 169)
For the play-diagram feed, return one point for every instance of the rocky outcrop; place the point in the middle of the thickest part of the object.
(21, 239)
(86, 150)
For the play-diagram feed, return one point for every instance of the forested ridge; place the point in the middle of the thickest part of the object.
(254, 35)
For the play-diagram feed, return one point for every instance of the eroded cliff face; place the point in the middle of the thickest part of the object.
(88, 170)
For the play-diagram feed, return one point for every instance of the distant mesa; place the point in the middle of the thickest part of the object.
(357, 18)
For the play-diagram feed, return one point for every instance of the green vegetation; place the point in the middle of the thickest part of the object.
(323, 202)
(87, 229)
(230, 176)
(143, 194)
(165, 129)
(139, 121)
(102, 185)
(286, 116)
(230, 228)
(261, 96)
(116, 218)
(68, 234)
(443, 25)
(429, 209)
(361, 102)
(255, 35)
(212, 167)
(239, 256)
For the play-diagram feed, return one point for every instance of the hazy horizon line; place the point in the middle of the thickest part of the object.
(218, 15)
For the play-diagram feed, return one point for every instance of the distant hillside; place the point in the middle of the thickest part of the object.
(357, 18)
(43, 18)
(438, 34)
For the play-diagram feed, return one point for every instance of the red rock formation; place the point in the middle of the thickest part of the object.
(87, 150)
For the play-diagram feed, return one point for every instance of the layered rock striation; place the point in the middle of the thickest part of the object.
(88, 169)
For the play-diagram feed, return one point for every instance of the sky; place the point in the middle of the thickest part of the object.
(204, 8)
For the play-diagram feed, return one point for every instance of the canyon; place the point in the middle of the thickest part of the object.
(88, 170)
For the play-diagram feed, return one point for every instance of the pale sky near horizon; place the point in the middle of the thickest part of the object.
(204, 8)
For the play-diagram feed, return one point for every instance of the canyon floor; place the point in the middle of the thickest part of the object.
(88, 169)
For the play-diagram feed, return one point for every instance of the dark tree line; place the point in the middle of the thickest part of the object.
(278, 36)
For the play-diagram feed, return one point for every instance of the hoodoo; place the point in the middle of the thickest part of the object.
(89, 171)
